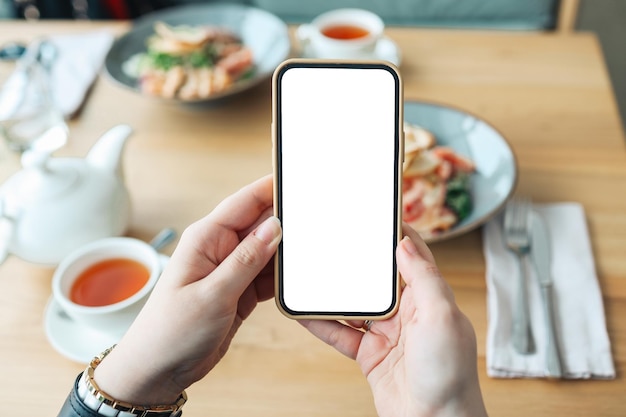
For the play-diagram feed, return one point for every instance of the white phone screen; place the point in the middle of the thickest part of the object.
(337, 144)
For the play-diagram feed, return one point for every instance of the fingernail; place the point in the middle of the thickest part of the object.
(269, 230)
(408, 245)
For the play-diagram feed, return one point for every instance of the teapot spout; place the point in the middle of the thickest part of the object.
(106, 154)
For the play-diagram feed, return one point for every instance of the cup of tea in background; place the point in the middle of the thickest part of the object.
(341, 33)
(105, 284)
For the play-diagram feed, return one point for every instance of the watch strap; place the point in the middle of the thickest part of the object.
(103, 404)
(74, 406)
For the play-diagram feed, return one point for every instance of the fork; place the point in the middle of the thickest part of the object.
(517, 238)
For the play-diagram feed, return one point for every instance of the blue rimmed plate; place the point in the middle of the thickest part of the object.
(496, 167)
(264, 33)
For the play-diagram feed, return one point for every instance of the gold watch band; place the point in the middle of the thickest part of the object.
(104, 404)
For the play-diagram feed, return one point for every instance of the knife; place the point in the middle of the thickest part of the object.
(541, 259)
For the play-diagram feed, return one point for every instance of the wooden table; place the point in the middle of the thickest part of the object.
(550, 96)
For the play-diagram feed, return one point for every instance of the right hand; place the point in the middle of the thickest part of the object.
(421, 361)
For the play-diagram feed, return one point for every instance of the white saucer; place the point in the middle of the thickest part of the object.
(74, 340)
(386, 50)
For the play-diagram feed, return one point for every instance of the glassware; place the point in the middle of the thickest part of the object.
(30, 121)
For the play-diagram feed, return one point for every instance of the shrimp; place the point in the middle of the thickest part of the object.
(152, 82)
(189, 90)
(174, 78)
(221, 79)
(237, 62)
(424, 206)
(427, 170)
(459, 162)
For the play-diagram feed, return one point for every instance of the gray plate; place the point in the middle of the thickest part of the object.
(496, 166)
(261, 31)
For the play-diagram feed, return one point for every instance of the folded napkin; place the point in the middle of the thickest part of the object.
(578, 308)
(77, 62)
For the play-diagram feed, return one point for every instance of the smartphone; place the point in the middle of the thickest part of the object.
(337, 154)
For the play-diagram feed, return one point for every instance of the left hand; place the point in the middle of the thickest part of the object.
(218, 273)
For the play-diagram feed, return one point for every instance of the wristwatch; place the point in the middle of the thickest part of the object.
(105, 405)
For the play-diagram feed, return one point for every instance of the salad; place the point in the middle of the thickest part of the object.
(436, 183)
(190, 62)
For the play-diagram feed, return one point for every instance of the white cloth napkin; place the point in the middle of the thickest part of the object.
(78, 61)
(578, 308)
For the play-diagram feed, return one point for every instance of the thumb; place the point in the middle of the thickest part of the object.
(419, 271)
(245, 262)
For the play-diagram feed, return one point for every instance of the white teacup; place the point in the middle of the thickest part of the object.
(115, 317)
(342, 33)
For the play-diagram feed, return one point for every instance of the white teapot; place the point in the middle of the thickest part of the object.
(54, 205)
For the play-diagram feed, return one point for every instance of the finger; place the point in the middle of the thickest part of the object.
(421, 246)
(261, 289)
(247, 260)
(343, 338)
(357, 324)
(420, 273)
(264, 284)
(206, 242)
(264, 215)
(240, 210)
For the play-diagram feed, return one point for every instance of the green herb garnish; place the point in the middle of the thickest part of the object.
(165, 61)
(248, 74)
(458, 196)
(199, 59)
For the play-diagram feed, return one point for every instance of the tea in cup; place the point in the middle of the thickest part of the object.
(105, 284)
(342, 34)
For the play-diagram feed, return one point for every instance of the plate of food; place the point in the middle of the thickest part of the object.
(198, 52)
(458, 172)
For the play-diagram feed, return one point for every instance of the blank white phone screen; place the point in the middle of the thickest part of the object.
(338, 144)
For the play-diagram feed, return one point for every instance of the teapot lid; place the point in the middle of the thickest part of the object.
(41, 180)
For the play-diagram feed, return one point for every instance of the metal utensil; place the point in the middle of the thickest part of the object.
(517, 238)
(163, 238)
(541, 259)
(12, 51)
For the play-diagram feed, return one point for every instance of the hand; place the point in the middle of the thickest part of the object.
(421, 361)
(215, 278)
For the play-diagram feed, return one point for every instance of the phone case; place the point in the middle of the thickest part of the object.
(295, 62)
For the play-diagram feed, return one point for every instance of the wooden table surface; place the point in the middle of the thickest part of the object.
(549, 95)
